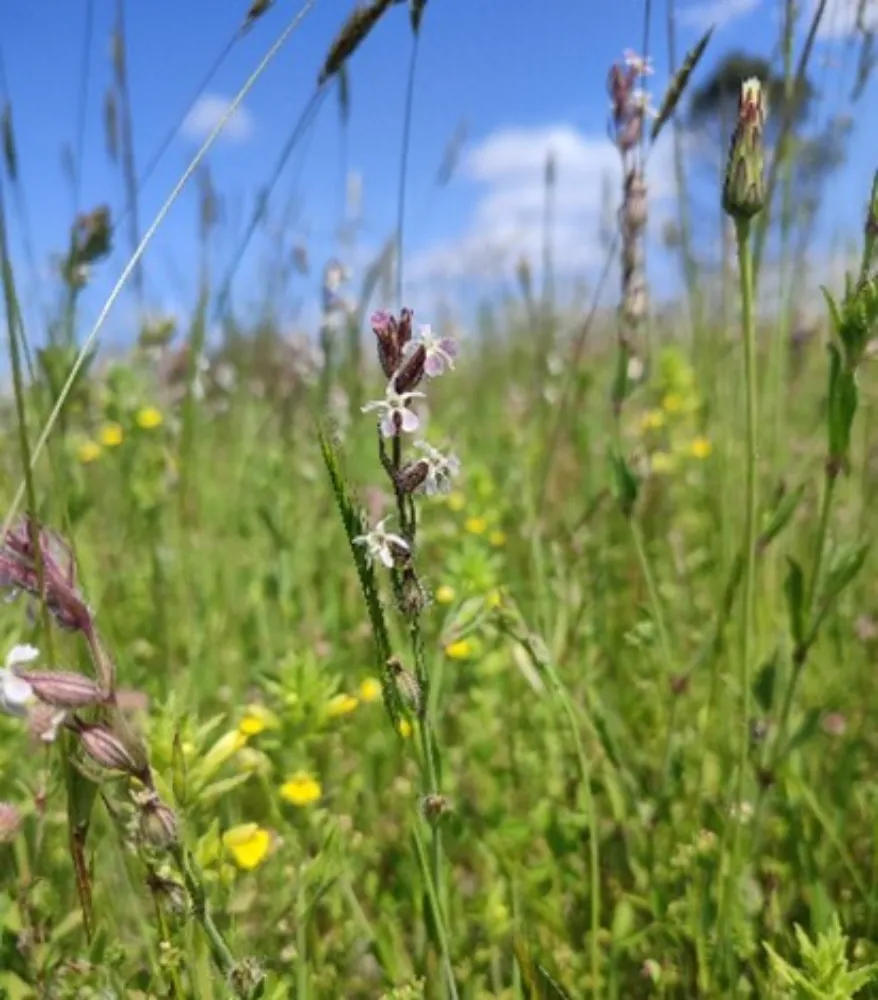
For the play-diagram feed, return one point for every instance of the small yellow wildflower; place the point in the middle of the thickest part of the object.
(405, 728)
(370, 690)
(461, 649)
(456, 501)
(476, 525)
(652, 420)
(301, 789)
(445, 594)
(248, 844)
(673, 402)
(497, 539)
(341, 704)
(700, 447)
(661, 463)
(148, 418)
(88, 452)
(256, 719)
(111, 435)
(493, 599)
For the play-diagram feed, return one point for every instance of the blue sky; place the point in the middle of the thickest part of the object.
(524, 78)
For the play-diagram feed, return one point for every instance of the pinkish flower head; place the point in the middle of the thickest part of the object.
(440, 351)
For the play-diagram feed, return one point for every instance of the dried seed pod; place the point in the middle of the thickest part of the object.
(412, 476)
(353, 33)
(678, 85)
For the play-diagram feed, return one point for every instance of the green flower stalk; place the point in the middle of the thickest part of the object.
(744, 184)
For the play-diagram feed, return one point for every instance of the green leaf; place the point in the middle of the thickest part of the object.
(805, 731)
(763, 687)
(844, 569)
(781, 515)
(843, 401)
(625, 484)
(794, 589)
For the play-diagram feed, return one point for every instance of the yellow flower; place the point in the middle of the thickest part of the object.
(493, 599)
(460, 650)
(370, 690)
(88, 452)
(111, 435)
(476, 525)
(148, 418)
(405, 728)
(662, 463)
(445, 594)
(301, 789)
(341, 704)
(673, 402)
(652, 420)
(248, 844)
(700, 447)
(497, 539)
(256, 719)
(456, 501)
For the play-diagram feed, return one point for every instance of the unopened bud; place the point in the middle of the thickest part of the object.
(744, 185)
(406, 684)
(158, 823)
(410, 477)
(435, 806)
(64, 689)
(385, 328)
(109, 751)
(411, 371)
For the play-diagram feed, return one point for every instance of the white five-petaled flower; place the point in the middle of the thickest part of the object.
(15, 692)
(641, 64)
(441, 469)
(642, 101)
(393, 410)
(380, 543)
(440, 351)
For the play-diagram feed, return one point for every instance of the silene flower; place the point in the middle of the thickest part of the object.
(440, 351)
(381, 543)
(396, 417)
(642, 65)
(15, 692)
(441, 469)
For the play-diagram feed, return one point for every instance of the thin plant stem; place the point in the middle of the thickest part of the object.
(403, 162)
(745, 273)
(655, 605)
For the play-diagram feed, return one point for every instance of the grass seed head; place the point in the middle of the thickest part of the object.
(352, 34)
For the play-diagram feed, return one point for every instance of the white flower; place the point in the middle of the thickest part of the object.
(393, 410)
(642, 101)
(440, 351)
(441, 469)
(15, 693)
(640, 64)
(380, 543)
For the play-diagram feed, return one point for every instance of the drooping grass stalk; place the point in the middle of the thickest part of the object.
(190, 171)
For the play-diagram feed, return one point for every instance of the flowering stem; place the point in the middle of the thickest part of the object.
(745, 269)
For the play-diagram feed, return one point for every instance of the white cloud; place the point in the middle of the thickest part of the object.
(840, 17)
(508, 167)
(206, 114)
(701, 16)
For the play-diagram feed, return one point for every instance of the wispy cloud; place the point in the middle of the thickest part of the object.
(508, 167)
(206, 114)
(700, 16)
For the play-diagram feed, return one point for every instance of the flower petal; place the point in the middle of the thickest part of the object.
(15, 692)
(448, 347)
(19, 655)
(388, 425)
(386, 556)
(410, 421)
(434, 365)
